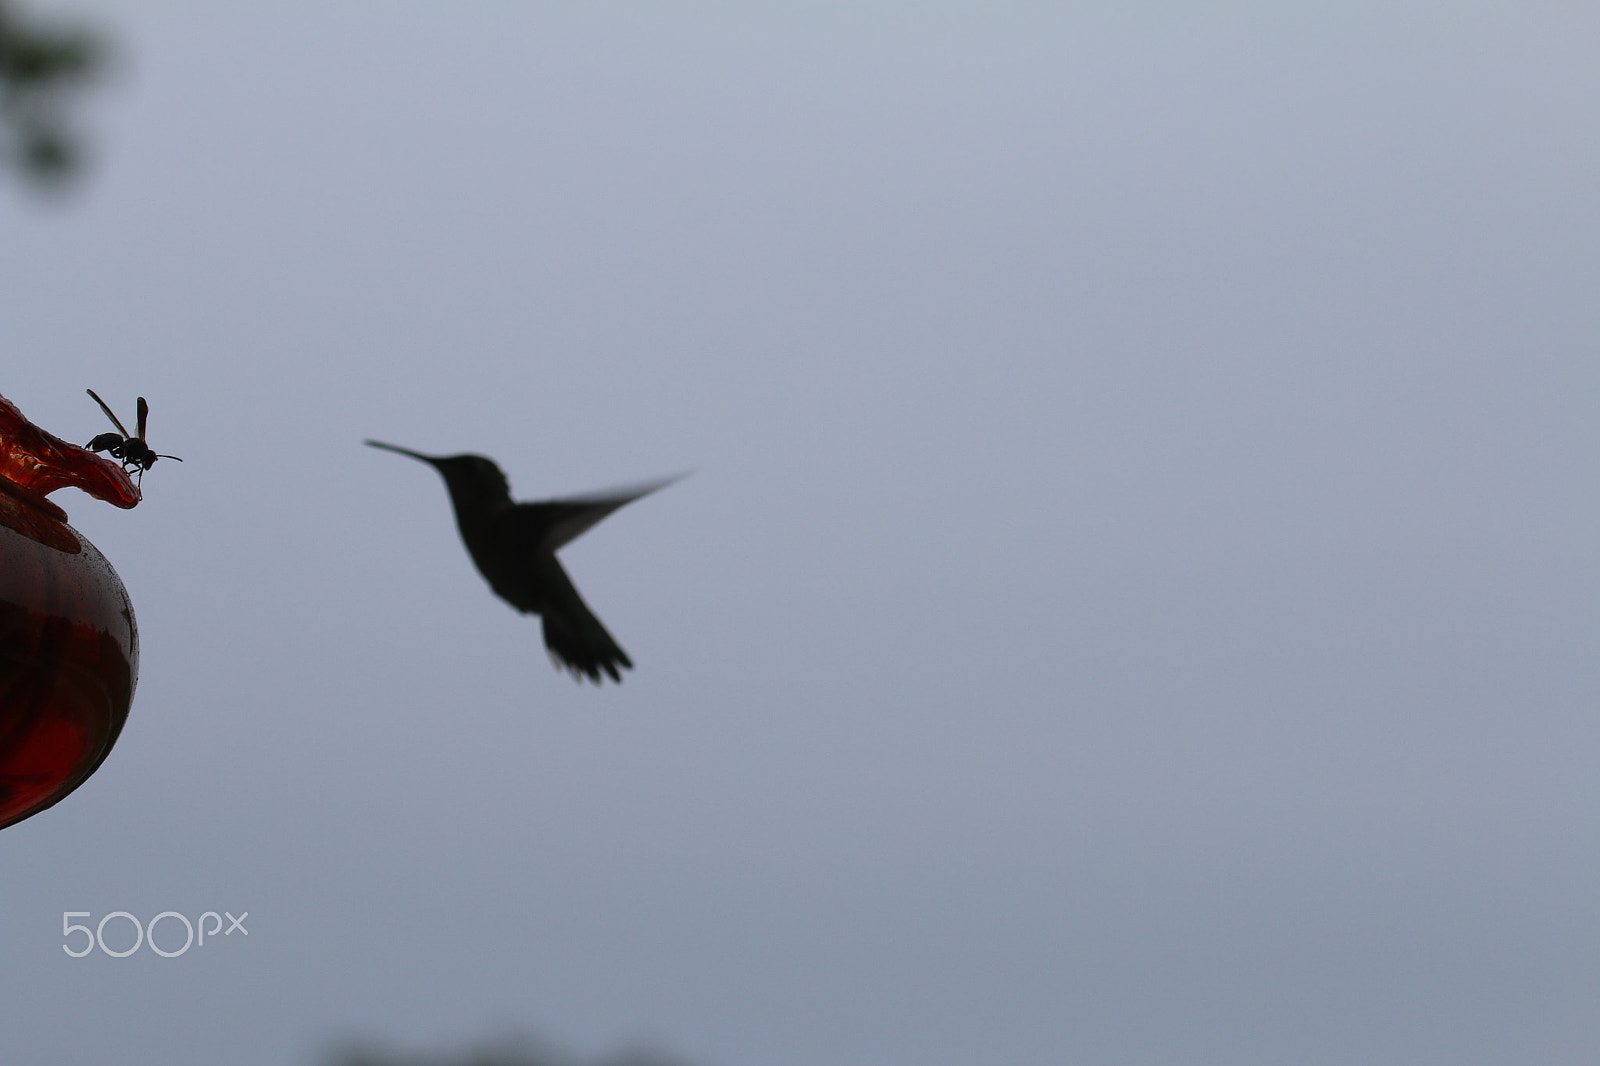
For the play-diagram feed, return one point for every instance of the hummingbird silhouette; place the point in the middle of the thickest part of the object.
(514, 547)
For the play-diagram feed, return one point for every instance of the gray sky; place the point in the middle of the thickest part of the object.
(1136, 601)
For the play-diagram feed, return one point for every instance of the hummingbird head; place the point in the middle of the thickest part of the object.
(474, 481)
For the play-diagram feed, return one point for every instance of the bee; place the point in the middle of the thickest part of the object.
(131, 449)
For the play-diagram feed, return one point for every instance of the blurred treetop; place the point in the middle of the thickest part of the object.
(42, 65)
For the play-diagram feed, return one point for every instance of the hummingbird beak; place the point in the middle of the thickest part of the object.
(429, 459)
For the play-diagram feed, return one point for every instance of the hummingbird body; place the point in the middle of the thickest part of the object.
(514, 547)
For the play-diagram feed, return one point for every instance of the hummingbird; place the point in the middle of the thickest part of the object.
(514, 547)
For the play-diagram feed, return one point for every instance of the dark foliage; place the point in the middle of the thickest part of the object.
(42, 66)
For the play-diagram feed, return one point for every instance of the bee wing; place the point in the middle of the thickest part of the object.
(115, 421)
(144, 416)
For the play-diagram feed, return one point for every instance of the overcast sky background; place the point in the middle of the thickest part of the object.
(1136, 601)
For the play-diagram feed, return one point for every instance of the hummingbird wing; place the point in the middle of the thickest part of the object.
(551, 524)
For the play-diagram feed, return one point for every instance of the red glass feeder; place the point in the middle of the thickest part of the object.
(69, 647)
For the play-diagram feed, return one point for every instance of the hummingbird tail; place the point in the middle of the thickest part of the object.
(579, 644)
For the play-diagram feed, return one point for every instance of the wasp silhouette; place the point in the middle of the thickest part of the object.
(131, 449)
(514, 547)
